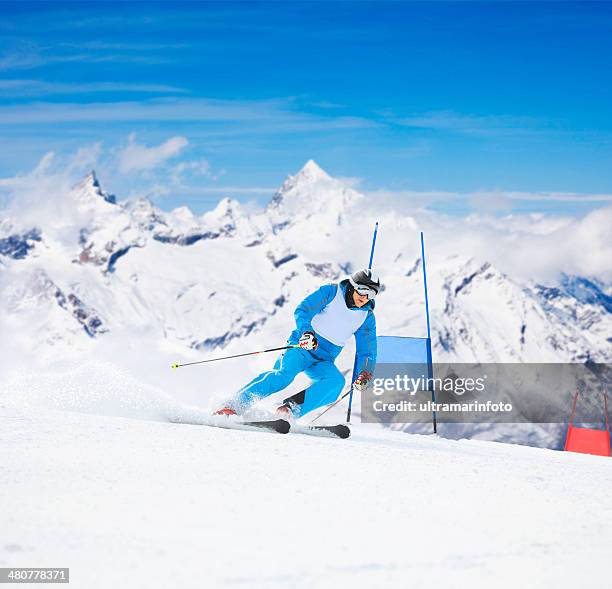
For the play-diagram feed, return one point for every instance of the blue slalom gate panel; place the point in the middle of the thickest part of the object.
(414, 353)
(393, 349)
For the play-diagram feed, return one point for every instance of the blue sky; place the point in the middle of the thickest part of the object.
(187, 102)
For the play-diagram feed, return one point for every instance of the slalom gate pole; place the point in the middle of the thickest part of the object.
(373, 244)
(350, 405)
(429, 357)
(236, 356)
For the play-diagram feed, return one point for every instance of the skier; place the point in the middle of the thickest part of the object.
(325, 320)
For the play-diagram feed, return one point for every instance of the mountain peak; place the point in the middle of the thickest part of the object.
(89, 189)
(312, 171)
(311, 192)
(91, 177)
(310, 177)
(227, 206)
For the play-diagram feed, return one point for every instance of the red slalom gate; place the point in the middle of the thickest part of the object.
(585, 440)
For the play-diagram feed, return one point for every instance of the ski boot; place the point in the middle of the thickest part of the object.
(225, 411)
(284, 412)
(288, 409)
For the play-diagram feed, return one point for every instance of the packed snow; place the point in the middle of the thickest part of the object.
(145, 503)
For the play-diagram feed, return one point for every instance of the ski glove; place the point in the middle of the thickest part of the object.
(362, 381)
(308, 341)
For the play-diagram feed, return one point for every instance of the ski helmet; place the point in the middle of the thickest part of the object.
(365, 282)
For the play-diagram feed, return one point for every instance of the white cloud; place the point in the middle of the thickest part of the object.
(23, 56)
(44, 164)
(531, 246)
(136, 46)
(487, 199)
(27, 87)
(136, 157)
(85, 158)
(194, 191)
(51, 168)
(537, 247)
(154, 191)
(472, 124)
(350, 181)
(241, 116)
(30, 56)
(39, 197)
(197, 168)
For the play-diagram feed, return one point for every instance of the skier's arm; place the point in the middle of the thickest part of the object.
(365, 341)
(311, 305)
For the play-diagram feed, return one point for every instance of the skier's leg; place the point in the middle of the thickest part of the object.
(326, 387)
(287, 367)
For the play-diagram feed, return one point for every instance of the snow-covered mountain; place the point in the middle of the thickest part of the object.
(105, 276)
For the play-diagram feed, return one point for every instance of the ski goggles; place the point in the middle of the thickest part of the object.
(365, 291)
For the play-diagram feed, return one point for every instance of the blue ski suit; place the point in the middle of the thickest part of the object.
(325, 311)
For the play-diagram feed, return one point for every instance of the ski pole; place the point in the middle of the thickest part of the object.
(333, 404)
(236, 356)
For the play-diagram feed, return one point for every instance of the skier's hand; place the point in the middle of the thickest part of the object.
(308, 341)
(362, 381)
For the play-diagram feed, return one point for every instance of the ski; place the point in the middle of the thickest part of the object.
(329, 431)
(280, 426)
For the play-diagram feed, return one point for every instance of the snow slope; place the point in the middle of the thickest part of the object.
(149, 504)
